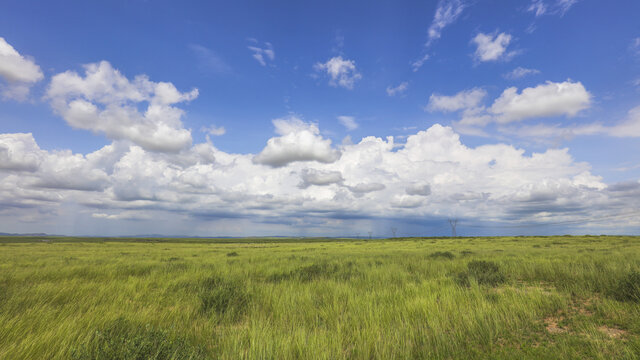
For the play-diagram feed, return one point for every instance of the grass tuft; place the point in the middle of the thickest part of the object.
(318, 271)
(228, 298)
(442, 254)
(484, 272)
(124, 340)
(628, 288)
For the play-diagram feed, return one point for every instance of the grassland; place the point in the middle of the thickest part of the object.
(419, 298)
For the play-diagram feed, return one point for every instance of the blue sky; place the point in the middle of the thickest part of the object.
(320, 118)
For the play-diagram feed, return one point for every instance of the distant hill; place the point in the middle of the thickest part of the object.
(30, 234)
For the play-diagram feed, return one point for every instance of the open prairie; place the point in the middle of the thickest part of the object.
(273, 298)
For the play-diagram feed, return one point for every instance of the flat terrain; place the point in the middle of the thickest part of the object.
(418, 298)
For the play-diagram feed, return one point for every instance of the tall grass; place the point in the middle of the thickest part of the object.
(509, 297)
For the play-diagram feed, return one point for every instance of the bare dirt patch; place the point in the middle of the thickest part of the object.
(583, 306)
(613, 333)
(553, 327)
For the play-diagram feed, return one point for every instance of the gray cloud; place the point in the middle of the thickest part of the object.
(319, 178)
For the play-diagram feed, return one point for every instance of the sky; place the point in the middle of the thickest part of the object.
(332, 118)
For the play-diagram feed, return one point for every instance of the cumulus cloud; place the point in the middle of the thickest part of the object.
(341, 72)
(105, 101)
(348, 122)
(298, 141)
(545, 100)
(262, 54)
(18, 72)
(398, 90)
(364, 188)
(463, 100)
(492, 47)
(520, 72)
(421, 189)
(550, 99)
(406, 202)
(19, 152)
(319, 178)
(433, 175)
(627, 127)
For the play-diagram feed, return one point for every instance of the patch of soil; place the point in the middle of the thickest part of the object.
(551, 324)
(613, 333)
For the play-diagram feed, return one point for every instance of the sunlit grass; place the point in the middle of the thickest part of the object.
(509, 297)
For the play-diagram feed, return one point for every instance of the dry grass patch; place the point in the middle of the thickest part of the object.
(552, 324)
(612, 332)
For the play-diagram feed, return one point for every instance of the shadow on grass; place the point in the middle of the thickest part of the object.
(442, 254)
(484, 272)
(226, 297)
(122, 339)
(627, 288)
(323, 270)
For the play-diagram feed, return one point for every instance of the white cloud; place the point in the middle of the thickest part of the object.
(263, 54)
(492, 47)
(398, 90)
(104, 101)
(520, 72)
(462, 100)
(348, 122)
(203, 190)
(19, 152)
(538, 7)
(406, 202)
(565, 5)
(447, 12)
(553, 7)
(416, 65)
(298, 141)
(628, 127)
(124, 215)
(342, 72)
(214, 130)
(545, 100)
(18, 72)
(550, 99)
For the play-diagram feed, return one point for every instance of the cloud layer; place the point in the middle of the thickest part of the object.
(300, 181)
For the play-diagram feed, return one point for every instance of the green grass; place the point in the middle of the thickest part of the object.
(277, 298)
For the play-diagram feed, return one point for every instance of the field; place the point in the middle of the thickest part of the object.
(417, 298)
